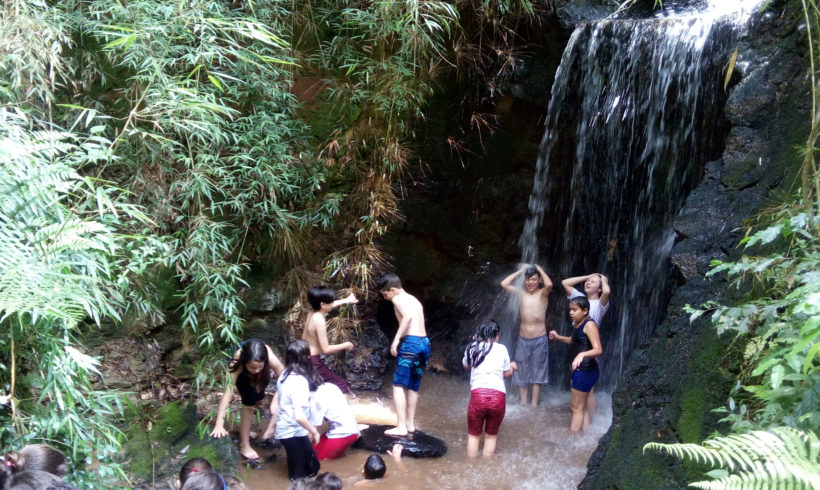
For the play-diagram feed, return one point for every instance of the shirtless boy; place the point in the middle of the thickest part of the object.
(411, 347)
(323, 299)
(597, 291)
(532, 349)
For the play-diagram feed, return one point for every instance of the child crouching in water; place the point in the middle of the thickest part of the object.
(585, 345)
(489, 363)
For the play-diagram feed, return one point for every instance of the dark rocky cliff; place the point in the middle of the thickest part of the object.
(672, 382)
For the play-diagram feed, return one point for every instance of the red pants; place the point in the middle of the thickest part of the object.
(333, 448)
(486, 405)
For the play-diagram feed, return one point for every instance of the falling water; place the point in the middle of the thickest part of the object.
(635, 113)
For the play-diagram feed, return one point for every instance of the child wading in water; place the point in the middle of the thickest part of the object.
(250, 371)
(411, 347)
(293, 428)
(532, 348)
(323, 300)
(585, 346)
(489, 363)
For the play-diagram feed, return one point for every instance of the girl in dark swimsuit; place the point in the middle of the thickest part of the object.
(250, 371)
(586, 345)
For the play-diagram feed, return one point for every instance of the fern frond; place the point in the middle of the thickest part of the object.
(782, 457)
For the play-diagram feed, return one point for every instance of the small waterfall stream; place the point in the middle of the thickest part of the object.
(635, 113)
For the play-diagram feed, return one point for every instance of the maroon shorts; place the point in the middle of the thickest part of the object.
(486, 406)
(328, 375)
(333, 448)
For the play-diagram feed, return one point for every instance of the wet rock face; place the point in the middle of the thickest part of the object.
(416, 445)
(671, 383)
(366, 366)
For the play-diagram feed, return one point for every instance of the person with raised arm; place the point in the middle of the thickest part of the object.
(532, 349)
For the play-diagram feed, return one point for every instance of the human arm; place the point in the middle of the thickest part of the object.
(604, 290)
(547, 289)
(301, 418)
(507, 282)
(219, 424)
(509, 372)
(274, 362)
(569, 283)
(326, 347)
(591, 331)
(560, 338)
(274, 414)
(349, 299)
(396, 455)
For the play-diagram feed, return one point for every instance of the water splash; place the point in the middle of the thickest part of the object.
(635, 113)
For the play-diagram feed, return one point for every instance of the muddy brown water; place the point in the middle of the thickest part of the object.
(535, 448)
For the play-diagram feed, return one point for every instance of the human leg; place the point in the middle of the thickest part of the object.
(577, 401)
(400, 401)
(412, 400)
(489, 445)
(522, 391)
(536, 394)
(245, 419)
(302, 462)
(328, 448)
(472, 446)
(592, 403)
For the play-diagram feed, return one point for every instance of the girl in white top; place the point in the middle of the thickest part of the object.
(489, 363)
(328, 402)
(293, 428)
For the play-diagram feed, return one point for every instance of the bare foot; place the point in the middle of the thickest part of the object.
(396, 431)
(248, 453)
(411, 428)
(252, 434)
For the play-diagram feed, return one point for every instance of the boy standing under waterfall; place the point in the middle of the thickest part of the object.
(532, 348)
(410, 346)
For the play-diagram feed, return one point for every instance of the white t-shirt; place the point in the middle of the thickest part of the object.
(596, 311)
(328, 402)
(490, 373)
(294, 392)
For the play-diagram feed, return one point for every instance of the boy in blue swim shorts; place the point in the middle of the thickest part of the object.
(411, 347)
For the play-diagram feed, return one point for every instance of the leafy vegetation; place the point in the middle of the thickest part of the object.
(151, 146)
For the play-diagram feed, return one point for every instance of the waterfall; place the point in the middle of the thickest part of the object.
(635, 113)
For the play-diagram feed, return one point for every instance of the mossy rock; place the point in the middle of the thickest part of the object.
(164, 438)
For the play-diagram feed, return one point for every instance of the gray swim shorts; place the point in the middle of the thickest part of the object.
(532, 357)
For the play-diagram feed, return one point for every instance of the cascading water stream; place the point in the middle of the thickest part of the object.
(635, 113)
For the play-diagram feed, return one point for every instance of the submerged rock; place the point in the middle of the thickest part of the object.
(416, 445)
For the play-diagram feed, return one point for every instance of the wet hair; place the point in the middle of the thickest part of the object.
(234, 483)
(31, 479)
(388, 280)
(320, 294)
(329, 481)
(581, 301)
(530, 271)
(297, 360)
(253, 350)
(36, 457)
(374, 467)
(193, 465)
(205, 480)
(305, 484)
(482, 343)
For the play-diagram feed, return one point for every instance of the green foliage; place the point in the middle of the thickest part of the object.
(62, 259)
(778, 458)
(780, 314)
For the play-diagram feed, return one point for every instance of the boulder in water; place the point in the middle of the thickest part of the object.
(416, 445)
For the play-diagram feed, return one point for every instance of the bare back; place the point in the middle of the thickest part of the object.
(408, 309)
(533, 314)
(310, 334)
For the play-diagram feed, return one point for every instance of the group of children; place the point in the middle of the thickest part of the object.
(308, 392)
